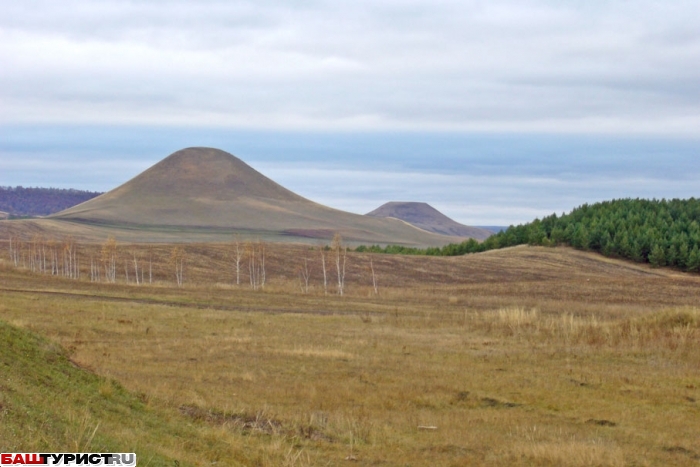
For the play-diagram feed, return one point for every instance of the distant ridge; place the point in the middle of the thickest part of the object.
(207, 189)
(31, 201)
(426, 217)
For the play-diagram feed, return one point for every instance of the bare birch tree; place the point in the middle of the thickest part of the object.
(325, 273)
(37, 254)
(51, 246)
(256, 264)
(42, 255)
(238, 256)
(94, 270)
(64, 250)
(75, 262)
(109, 259)
(136, 268)
(23, 254)
(33, 254)
(252, 276)
(261, 254)
(340, 252)
(374, 277)
(70, 258)
(304, 276)
(177, 259)
(15, 250)
(12, 253)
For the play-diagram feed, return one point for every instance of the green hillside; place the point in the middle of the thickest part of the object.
(48, 404)
(659, 232)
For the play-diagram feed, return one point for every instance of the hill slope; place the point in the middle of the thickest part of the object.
(209, 189)
(426, 217)
(48, 404)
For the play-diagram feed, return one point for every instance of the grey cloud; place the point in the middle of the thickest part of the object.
(471, 199)
(495, 111)
(557, 66)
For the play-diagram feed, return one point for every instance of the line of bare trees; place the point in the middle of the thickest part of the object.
(333, 255)
(46, 256)
(63, 258)
(254, 254)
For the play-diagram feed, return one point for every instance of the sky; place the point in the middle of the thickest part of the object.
(495, 112)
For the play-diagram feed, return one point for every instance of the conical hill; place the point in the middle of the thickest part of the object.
(426, 217)
(205, 188)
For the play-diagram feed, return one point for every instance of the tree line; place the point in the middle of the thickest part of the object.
(112, 263)
(66, 257)
(659, 232)
(20, 201)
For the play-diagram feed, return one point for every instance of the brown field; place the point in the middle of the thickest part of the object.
(524, 356)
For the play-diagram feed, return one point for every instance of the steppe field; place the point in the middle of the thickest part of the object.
(521, 356)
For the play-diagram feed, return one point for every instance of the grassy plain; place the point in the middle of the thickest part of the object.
(525, 356)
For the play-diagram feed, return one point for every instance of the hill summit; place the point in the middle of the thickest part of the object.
(426, 217)
(206, 189)
(205, 173)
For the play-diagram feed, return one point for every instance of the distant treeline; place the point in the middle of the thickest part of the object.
(659, 232)
(453, 249)
(20, 201)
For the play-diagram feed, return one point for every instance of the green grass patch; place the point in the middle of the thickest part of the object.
(48, 404)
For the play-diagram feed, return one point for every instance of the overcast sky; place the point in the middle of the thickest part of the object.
(495, 111)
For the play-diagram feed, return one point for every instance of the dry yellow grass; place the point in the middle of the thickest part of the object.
(530, 356)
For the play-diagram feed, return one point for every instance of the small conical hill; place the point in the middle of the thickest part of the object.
(426, 217)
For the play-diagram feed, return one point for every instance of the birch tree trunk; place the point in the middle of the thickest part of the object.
(239, 254)
(136, 269)
(374, 277)
(325, 275)
(305, 274)
(109, 259)
(261, 253)
(340, 251)
(177, 259)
